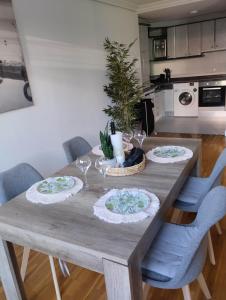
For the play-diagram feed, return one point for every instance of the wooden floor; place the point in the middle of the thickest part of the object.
(84, 284)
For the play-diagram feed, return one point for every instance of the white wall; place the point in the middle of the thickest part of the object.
(212, 63)
(62, 43)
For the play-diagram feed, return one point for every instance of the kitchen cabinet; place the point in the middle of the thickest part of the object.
(184, 40)
(181, 41)
(194, 39)
(171, 42)
(163, 104)
(220, 39)
(158, 109)
(144, 53)
(168, 102)
(144, 41)
(208, 35)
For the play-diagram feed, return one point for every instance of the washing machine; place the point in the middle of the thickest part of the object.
(186, 99)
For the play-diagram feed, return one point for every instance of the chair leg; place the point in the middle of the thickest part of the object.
(203, 286)
(146, 289)
(24, 263)
(56, 285)
(218, 227)
(210, 250)
(186, 292)
(176, 216)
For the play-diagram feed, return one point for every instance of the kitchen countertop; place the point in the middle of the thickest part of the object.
(164, 86)
(200, 78)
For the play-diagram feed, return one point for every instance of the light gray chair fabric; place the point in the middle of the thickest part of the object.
(76, 147)
(178, 253)
(195, 188)
(14, 182)
(17, 180)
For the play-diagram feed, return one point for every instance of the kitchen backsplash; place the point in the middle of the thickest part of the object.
(212, 63)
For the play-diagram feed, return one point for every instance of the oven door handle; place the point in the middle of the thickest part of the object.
(212, 88)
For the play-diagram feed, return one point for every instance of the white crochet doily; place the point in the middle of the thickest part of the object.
(103, 213)
(97, 149)
(34, 196)
(165, 160)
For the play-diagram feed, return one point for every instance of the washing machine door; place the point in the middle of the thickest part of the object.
(185, 98)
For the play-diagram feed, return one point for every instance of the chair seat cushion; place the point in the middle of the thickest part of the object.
(194, 189)
(165, 257)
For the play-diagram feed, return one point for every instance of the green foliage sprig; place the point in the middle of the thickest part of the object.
(106, 145)
(124, 87)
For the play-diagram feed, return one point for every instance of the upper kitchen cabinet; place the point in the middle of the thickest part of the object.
(144, 53)
(171, 42)
(220, 39)
(181, 41)
(144, 42)
(194, 39)
(208, 35)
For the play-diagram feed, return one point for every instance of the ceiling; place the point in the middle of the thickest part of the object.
(164, 10)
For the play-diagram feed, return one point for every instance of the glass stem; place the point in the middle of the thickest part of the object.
(85, 180)
(105, 188)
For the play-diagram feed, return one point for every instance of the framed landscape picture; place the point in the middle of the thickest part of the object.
(15, 90)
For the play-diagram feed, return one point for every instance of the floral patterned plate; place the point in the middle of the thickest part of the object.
(128, 202)
(169, 152)
(55, 185)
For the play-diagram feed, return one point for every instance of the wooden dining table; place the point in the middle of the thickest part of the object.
(69, 230)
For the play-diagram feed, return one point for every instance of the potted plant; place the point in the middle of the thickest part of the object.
(106, 146)
(124, 87)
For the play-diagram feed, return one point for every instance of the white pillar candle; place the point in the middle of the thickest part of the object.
(116, 140)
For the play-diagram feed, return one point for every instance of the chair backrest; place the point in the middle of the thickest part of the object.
(215, 176)
(212, 209)
(76, 147)
(17, 180)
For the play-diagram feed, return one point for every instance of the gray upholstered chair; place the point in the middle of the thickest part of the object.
(195, 189)
(76, 147)
(12, 183)
(178, 253)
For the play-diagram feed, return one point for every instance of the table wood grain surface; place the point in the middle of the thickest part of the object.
(70, 230)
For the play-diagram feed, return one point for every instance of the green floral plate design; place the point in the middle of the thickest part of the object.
(56, 185)
(169, 152)
(127, 202)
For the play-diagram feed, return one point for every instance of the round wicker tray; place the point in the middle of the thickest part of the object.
(127, 171)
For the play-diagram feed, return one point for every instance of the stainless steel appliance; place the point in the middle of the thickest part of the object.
(212, 93)
(159, 48)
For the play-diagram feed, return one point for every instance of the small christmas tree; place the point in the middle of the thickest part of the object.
(124, 87)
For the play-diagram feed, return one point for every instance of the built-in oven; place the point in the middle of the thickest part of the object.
(212, 93)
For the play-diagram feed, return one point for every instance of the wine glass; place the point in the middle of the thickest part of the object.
(84, 163)
(127, 136)
(102, 165)
(140, 135)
